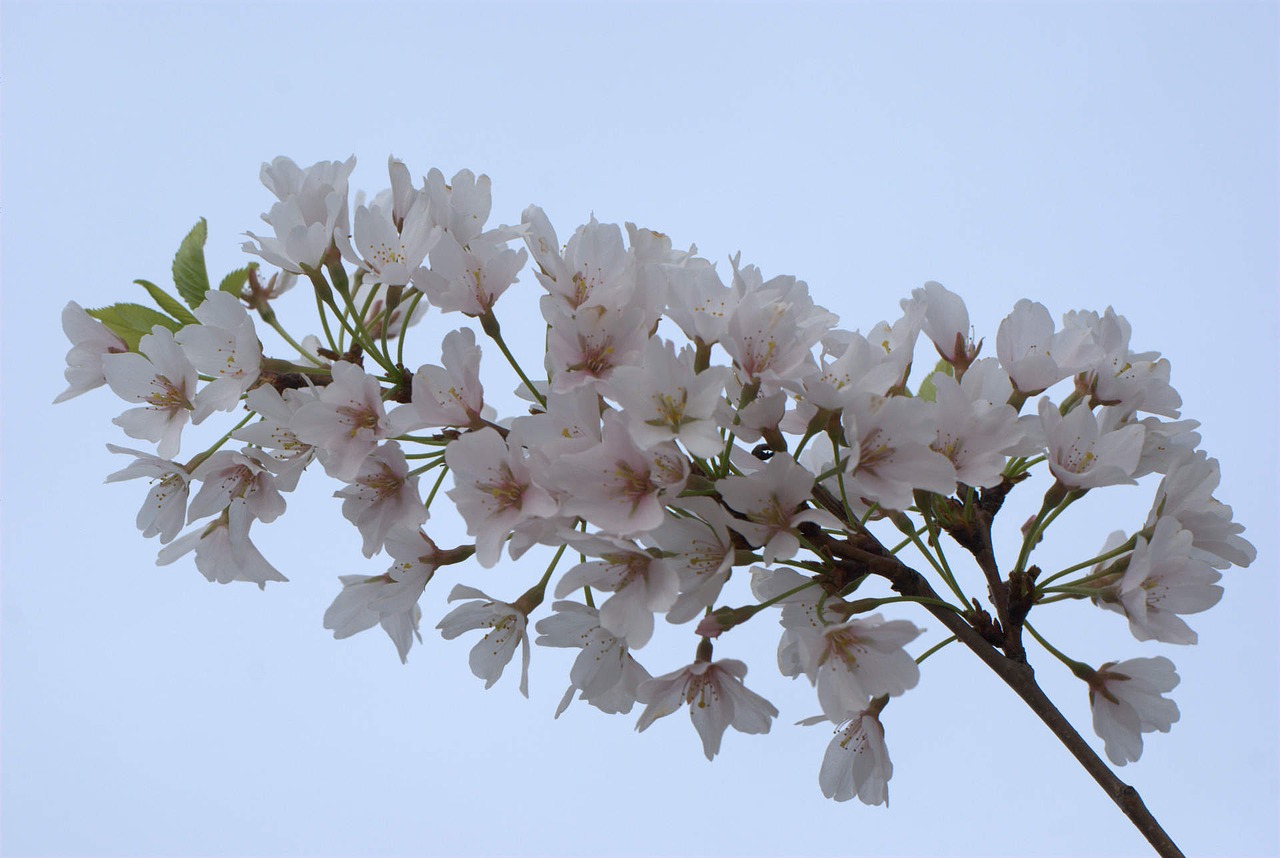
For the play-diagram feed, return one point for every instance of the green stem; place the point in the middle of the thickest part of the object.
(931, 650)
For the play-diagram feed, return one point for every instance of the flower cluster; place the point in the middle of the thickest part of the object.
(688, 425)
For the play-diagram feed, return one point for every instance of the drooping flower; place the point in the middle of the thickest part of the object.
(1126, 699)
(716, 697)
(605, 673)
(221, 558)
(857, 760)
(390, 599)
(506, 629)
(90, 342)
(165, 510)
(1165, 579)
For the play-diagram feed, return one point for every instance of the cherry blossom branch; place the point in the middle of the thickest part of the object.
(1020, 677)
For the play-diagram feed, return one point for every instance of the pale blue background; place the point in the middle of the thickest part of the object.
(1078, 154)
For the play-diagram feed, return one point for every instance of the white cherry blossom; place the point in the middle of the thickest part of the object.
(506, 630)
(164, 380)
(225, 346)
(90, 341)
(346, 421)
(382, 496)
(856, 762)
(617, 486)
(1127, 700)
(605, 674)
(716, 697)
(1084, 454)
(165, 509)
(493, 490)
(641, 583)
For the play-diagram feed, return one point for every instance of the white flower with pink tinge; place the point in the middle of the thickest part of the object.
(605, 672)
(224, 346)
(617, 486)
(1087, 454)
(664, 400)
(641, 583)
(220, 557)
(716, 697)
(857, 760)
(312, 206)
(857, 660)
(773, 500)
(382, 496)
(346, 422)
(90, 342)
(1126, 698)
(391, 599)
(449, 395)
(164, 380)
(506, 626)
(165, 509)
(1165, 579)
(1186, 495)
(493, 490)
(890, 453)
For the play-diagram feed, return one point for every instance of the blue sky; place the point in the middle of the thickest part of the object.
(1079, 154)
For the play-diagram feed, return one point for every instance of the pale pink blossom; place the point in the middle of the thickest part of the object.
(774, 502)
(716, 697)
(1186, 495)
(642, 584)
(224, 346)
(891, 453)
(241, 484)
(390, 599)
(469, 280)
(700, 551)
(1085, 454)
(1127, 700)
(664, 400)
(493, 490)
(604, 673)
(345, 422)
(506, 630)
(165, 509)
(449, 395)
(382, 496)
(312, 206)
(856, 762)
(221, 558)
(90, 341)
(617, 486)
(163, 379)
(1164, 579)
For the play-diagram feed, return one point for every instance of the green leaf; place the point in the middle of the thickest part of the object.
(168, 303)
(189, 272)
(130, 322)
(235, 281)
(928, 390)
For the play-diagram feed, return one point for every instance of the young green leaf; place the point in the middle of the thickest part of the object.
(168, 303)
(130, 322)
(235, 281)
(189, 272)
